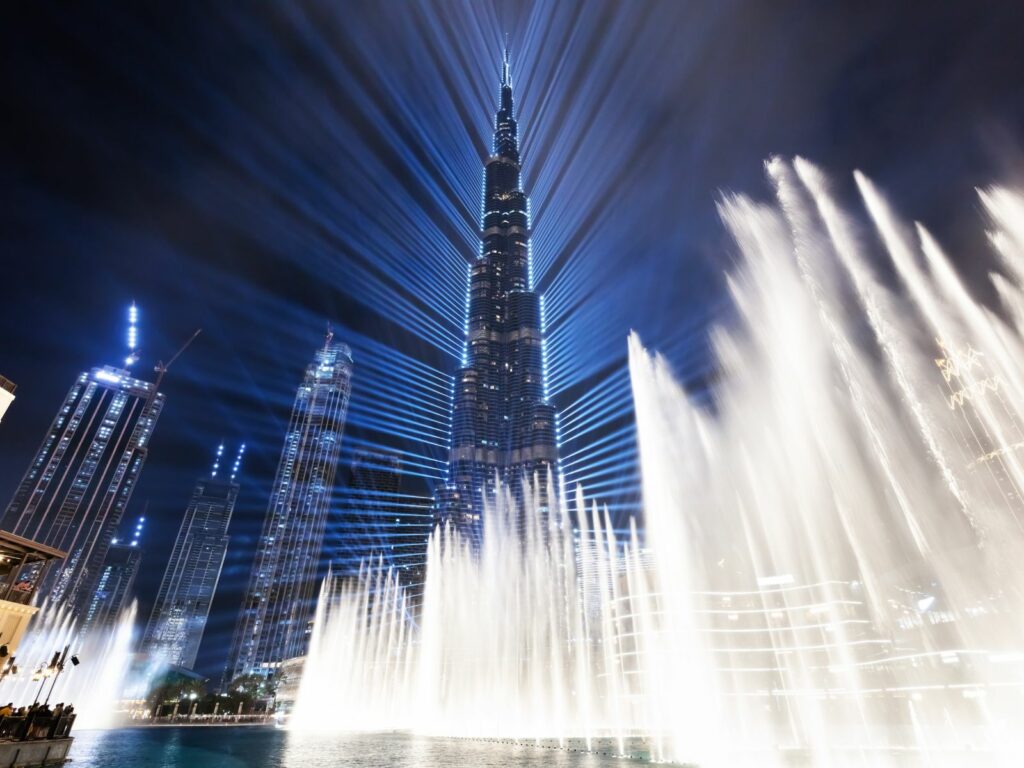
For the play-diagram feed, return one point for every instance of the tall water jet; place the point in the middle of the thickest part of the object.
(358, 672)
(857, 487)
(503, 643)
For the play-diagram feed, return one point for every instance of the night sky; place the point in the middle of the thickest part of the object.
(260, 169)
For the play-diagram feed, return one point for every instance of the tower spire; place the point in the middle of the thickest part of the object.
(505, 142)
(506, 75)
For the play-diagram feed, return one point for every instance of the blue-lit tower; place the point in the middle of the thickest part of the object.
(75, 491)
(503, 426)
(278, 608)
(182, 607)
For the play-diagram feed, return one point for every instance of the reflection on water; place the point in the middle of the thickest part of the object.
(259, 747)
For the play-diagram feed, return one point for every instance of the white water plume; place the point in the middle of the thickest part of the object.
(828, 574)
(94, 686)
(516, 640)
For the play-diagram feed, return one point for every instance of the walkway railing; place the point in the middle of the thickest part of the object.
(218, 719)
(33, 726)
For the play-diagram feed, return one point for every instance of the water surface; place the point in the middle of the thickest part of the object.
(264, 747)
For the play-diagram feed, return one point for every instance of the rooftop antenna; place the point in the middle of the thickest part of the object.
(137, 532)
(506, 75)
(138, 525)
(133, 336)
(238, 461)
(216, 459)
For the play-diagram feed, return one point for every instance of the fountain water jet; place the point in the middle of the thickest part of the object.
(95, 686)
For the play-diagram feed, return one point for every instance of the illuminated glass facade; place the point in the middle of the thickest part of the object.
(503, 427)
(77, 487)
(182, 607)
(278, 607)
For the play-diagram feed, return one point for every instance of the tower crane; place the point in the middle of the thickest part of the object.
(161, 367)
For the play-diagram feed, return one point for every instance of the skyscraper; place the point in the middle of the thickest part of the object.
(279, 604)
(502, 423)
(182, 606)
(116, 581)
(77, 487)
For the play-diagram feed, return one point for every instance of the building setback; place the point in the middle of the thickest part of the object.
(502, 423)
(278, 607)
(75, 491)
(176, 625)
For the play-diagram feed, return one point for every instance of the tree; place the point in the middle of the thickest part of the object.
(173, 687)
(254, 692)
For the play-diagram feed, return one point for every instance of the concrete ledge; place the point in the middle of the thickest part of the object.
(21, 754)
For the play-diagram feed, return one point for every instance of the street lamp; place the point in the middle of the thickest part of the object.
(58, 664)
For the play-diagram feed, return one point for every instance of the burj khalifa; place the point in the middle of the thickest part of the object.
(503, 427)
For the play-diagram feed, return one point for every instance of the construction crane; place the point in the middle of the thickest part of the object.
(161, 367)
